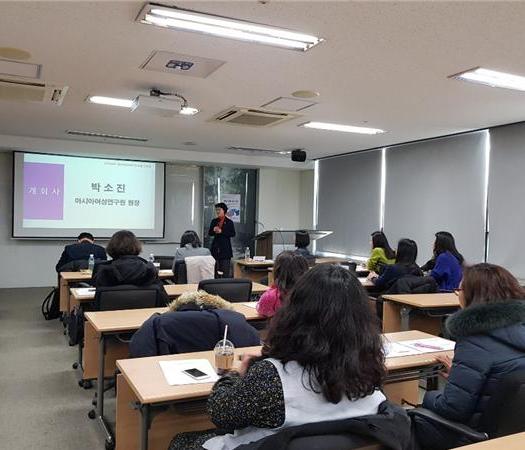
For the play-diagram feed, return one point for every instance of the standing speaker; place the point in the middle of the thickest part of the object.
(298, 155)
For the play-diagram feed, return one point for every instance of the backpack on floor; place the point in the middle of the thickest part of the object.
(75, 326)
(51, 305)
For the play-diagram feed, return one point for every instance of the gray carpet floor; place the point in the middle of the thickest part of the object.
(41, 405)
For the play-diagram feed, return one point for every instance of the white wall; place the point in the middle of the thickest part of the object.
(285, 199)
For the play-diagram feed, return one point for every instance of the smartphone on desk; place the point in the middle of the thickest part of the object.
(196, 374)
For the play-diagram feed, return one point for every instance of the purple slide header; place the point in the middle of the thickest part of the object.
(43, 191)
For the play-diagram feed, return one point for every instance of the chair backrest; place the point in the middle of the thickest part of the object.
(505, 410)
(166, 262)
(199, 268)
(231, 289)
(179, 273)
(125, 297)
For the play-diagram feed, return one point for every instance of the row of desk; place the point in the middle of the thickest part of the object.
(149, 411)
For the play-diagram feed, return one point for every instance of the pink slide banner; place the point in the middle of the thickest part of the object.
(43, 191)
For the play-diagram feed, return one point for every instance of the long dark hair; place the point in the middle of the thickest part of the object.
(288, 268)
(445, 242)
(190, 237)
(379, 240)
(328, 328)
(489, 283)
(406, 252)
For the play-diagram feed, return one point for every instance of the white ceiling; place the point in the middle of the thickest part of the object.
(383, 64)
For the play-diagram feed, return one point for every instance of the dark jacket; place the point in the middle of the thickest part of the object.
(390, 426)
(191, 329)
(490, 343)
(132, 270)
(413, 285)
(221, 247)
(78, 254)
(394, 272)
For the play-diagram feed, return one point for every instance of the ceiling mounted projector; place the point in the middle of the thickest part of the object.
(156, 103)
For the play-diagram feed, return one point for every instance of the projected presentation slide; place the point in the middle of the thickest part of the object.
(56, 196)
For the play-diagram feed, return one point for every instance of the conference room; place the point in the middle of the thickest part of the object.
(262, 224)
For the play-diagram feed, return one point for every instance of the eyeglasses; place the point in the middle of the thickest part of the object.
(457, 291)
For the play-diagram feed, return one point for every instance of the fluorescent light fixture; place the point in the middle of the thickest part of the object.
(188, 111)
(338, 127)
(111, 101)
(187, 20)
(492, 78)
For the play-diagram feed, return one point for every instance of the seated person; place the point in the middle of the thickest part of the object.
(288, 268)
(447, 269)
(382, 254)
(195, 322)
(190, 245)
(405, 265)
(309, 371)
(127, 267)
(490, 343)
(76, 256)
(302, 241)
(429, 265)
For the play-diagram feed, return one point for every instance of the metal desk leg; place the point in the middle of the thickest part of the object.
(144, 426)
(404, 312)
(100, 391)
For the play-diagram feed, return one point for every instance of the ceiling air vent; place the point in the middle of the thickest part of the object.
(253, 150)
(253, 117)
(94, 134)
(30, 91)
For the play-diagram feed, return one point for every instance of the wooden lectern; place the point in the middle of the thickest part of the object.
(265, 241)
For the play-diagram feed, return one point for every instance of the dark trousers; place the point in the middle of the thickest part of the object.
(224, 266)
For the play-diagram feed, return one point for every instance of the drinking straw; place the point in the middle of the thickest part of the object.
(224, 339)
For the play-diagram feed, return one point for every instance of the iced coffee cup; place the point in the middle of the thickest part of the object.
(224, 356)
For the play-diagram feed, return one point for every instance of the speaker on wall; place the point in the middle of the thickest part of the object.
(298, 155)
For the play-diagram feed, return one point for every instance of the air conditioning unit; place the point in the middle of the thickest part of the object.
(253, 117)
(30, 91)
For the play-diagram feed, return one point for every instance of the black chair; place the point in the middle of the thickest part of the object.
(503, 415)
(179, 273)
(231, 289)
(126, 297)
(331, 442)
(166, 262)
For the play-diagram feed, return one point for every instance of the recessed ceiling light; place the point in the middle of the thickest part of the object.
(188, 111)
(111, 101)
(305, 94)
(187, 20)
(492, 78)
(344, 128)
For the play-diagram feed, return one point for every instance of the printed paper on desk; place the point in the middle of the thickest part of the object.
(85, 291)
(397, 350)
(173, 371)
(251, 304)
(430, 345)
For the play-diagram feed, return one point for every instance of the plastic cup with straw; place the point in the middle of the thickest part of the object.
(224, 354)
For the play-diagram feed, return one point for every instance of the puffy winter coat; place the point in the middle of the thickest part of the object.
(490, 343)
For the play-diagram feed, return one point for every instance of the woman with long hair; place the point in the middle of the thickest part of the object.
(405, 265)
(322, 360)
(447, 270)
(382, 254)
(288, 268)
(490, 343)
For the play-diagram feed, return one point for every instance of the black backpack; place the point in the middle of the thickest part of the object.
(51, 305)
